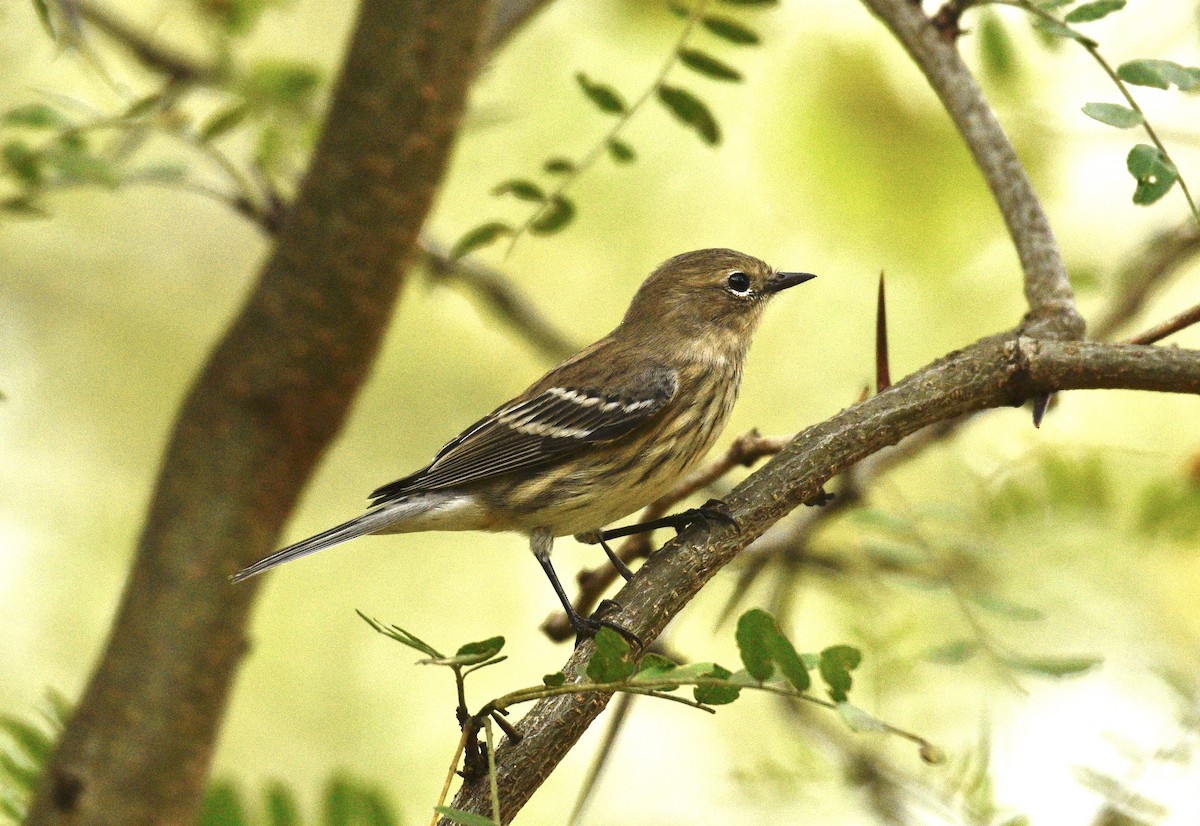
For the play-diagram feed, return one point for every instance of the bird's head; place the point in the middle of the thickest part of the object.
(713, 292)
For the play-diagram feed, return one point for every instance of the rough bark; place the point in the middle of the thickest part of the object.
(272, 395)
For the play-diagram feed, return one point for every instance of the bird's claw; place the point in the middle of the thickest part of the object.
(588, 627)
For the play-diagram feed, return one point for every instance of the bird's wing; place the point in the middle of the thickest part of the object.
(538, 428)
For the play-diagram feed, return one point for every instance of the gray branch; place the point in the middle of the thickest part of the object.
(998, 371)
(1052, 312)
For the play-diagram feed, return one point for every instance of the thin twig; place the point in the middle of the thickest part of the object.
(1169, 327)
(458, 753)
(499, 294)
(883, 371)
(1093, 49)
(145, 49)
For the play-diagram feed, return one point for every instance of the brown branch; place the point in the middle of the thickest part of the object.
(144, 48)
(1169, 327)
(997, 371)
(1052, 312)
(497, 292)
(273, 394)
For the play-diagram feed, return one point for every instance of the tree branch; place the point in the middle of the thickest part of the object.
(994, 372)
(1052, 312)
(144, 48)
(272, 395)
(497, 292)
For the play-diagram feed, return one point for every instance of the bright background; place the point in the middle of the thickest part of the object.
(837, 160)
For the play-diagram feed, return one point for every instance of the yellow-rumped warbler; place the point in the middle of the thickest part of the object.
(598, 437)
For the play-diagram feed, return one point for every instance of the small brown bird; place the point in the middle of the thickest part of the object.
(598, 437)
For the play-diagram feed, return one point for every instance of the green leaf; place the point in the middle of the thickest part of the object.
(620, 151)
(1053, 666)
(465, 818)
(751, 2)
(692, 671)
(36, 116)
(1008, 609)
(162, 172)
(755, 628)
(285, 84)
(692, 111)
(554, 680)
(33, 742)
(654, 667)
(477, 652)
(521, 188)
(1058, 29)
(837, 662)
(559, 166)
(81, 167)
(23, 206)
(480, 237)
(1154, 172)
(222, 806)
(603, 95)
(612, 661)
(730, 30)
(763, 647)
(1051, 5)
(997, 52)
(1159, 74)
(717, 694)
(1114, 114)
(223, 121)
(282, 809)
(43, 12)
(557, 214)
(143, 105)
(952, 653)
(24, 162)
(708, 65)
(398, 634)
(857, 719)
(1093, 11)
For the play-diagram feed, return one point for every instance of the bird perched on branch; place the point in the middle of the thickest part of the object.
(601, 435)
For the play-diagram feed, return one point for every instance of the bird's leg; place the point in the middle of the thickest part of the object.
(597, 538)
(540, 542)
(713, 510)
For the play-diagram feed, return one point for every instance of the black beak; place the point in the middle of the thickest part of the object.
(780, 281)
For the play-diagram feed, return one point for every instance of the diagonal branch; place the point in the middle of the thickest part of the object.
(1052, 312)
(994, 372)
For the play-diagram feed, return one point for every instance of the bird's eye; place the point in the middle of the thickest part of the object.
(738, 282)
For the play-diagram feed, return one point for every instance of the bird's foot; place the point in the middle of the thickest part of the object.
(588, 627)
(714, 510)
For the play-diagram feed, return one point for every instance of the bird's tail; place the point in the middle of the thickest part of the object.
(370, 522)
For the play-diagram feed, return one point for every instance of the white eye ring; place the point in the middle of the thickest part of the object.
(738, 283)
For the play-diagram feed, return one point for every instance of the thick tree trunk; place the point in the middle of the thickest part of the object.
(274, 392)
